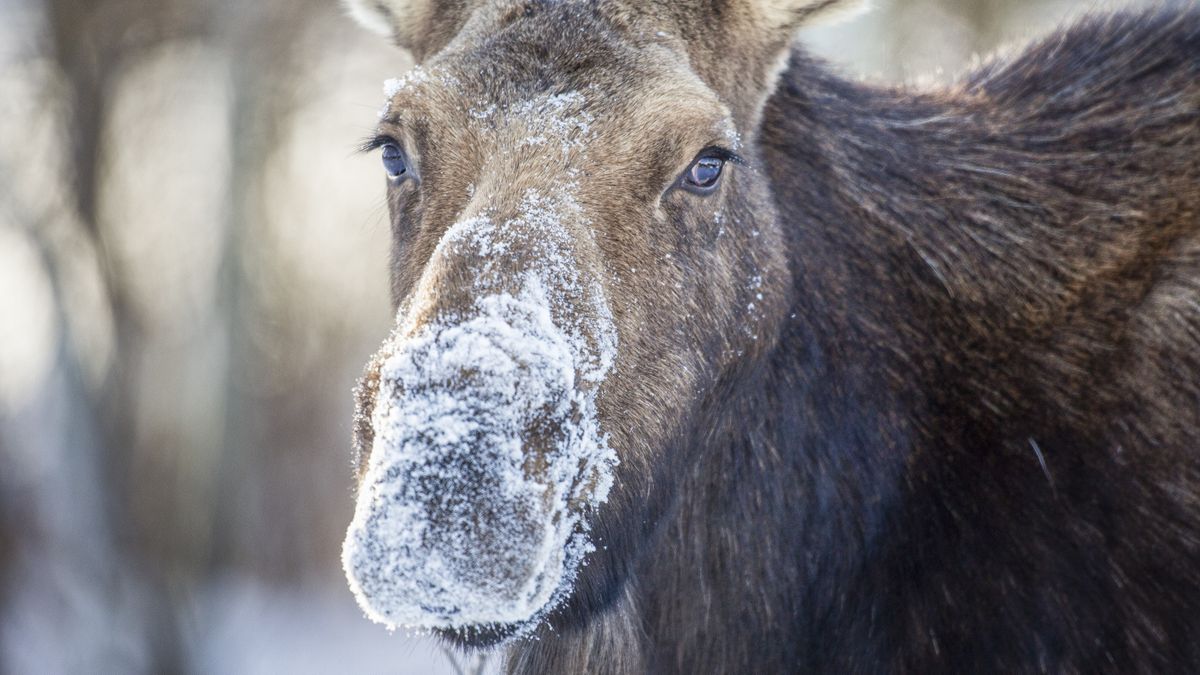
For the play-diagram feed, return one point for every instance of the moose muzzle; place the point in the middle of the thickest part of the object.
(485, 452)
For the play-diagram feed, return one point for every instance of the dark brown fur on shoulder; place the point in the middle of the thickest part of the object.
(958, 428)
(998, 316)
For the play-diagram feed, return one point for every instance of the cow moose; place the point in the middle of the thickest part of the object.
(708, 360)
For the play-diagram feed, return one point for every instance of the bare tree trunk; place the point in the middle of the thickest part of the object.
(264, 35)
(92, 42)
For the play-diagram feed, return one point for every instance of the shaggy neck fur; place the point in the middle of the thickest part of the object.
(930, 472)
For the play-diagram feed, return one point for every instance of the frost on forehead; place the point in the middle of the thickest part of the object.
(559, 120)
(487, 452)
(411, 80)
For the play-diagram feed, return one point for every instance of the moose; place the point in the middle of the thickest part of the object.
(708, 360)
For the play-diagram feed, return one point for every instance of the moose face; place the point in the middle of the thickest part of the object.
(582, 248)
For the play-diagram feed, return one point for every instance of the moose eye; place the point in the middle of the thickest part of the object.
(705, 172)
(394, 161)
(703, 176)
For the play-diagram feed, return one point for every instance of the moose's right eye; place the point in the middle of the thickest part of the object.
(394, 162)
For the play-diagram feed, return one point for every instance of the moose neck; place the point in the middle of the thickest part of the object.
(802, 456)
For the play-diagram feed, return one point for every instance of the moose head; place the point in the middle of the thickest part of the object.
(585, 250)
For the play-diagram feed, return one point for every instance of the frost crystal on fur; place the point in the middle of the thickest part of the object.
(487, 452)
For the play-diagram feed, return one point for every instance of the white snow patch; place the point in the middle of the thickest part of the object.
(562, 117)
(487, 452)
(413, 78)
(395, 85)
(734, 138)
(483, 113)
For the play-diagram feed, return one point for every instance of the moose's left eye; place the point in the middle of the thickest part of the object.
(394, 161)
(704, 174)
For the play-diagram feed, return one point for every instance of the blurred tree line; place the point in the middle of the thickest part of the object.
(192, 272)
(186, 416)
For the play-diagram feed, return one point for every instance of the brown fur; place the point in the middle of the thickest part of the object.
(957, 433)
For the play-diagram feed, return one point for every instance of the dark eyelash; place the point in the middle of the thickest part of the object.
(376, 142)
(723, 154)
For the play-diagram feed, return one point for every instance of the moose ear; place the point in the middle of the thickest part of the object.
(401, 20)
(791, 15)
(386, 17)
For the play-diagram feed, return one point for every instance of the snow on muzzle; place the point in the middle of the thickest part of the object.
(486, 454)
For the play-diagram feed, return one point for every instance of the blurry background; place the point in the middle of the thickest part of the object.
(192, 274)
